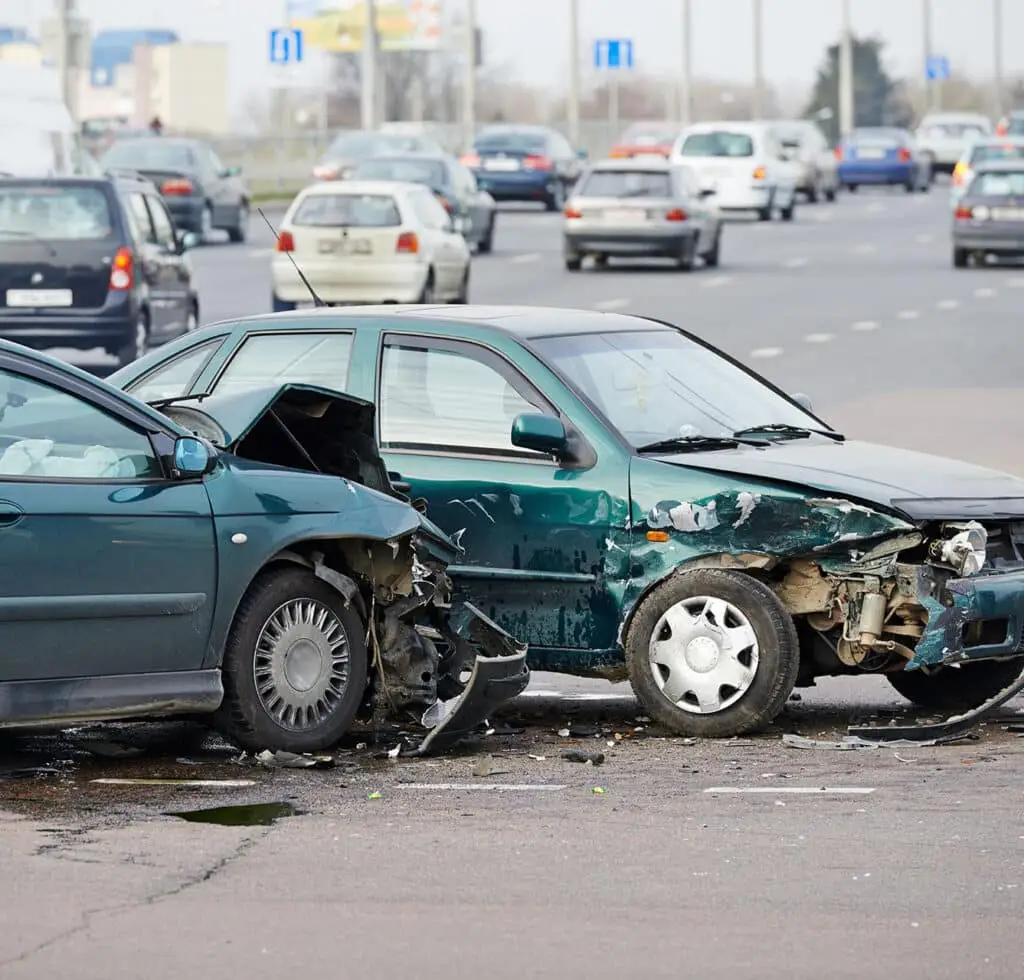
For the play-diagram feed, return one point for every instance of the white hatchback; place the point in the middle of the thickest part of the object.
(360, 242)
(744, 163)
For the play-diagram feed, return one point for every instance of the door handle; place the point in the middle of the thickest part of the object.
(10, 514)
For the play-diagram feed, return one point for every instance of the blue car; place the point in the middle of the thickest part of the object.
(883, 155)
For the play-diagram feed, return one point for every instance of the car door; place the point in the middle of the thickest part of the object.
(536, 534)
(107, 565)
(155, 273)
(447, 247)
(175, 275)
(481, 204)
(220, 187)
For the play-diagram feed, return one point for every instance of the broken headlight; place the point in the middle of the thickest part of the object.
(964, 551)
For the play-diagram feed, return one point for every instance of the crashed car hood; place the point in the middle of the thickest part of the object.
(915, 485)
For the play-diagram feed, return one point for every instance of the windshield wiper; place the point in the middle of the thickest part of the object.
(686, 444)
(794, 431)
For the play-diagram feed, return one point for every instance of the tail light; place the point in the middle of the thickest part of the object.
(326, 171)
(904, 155)
(470, 159)
(676, 214)
(444, 202)
(285, 242)
(618, 153)
(537, 163)
(122, 270)
(760, 173)
(408, 243)
(839, 153)
(964, 214)
(1003, 128)
(177, 187)
(572, 213)
(959, 172)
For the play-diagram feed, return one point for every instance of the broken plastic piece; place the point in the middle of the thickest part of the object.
(290, 760)
(588, 758)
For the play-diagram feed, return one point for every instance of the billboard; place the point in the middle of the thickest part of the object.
(338, 25)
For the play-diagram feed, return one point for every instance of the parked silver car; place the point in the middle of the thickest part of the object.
(945, 136)
(642, 208)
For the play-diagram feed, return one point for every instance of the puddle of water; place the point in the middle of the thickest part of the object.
(252, 815)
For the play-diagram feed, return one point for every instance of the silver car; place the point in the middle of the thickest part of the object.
(981, 152)
(989, 218)
(945, 136)
(638, 209)
(805, 146)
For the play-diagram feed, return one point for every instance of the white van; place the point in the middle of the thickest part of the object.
(744, 163)
(38, 137)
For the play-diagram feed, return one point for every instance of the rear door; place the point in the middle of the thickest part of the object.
(173, 272)
(154, 273)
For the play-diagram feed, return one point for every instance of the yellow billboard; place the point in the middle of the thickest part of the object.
(338, 25)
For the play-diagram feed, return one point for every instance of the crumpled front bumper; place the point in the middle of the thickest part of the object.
(499, 674)
(995, 600)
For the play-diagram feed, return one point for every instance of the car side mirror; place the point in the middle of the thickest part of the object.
(582, 154)
(708, 192)
(231, 172)
(192, 458)
(803, 401)
(188, 240)
(542, 434)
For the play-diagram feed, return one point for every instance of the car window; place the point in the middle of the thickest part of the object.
(439, 399)
(304, 358)
(142, 223)
(162, 224)
(215, 161)
(54, 212)
(47, 433)
(512, 141)
(429, 210)
(157, 153)
(347, 211)
(717, 144)
(429, 172)
(1009, 184)
(688, 180)
(627, 183)
(176, 377)
(997, 151)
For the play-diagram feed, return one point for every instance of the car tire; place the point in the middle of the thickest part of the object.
(556, 200)
(573, 261)
(765, 214)
(206, 224)
(263, 697)
(910, 188)
(957, 688)
(713, 257)
(830, 195)
(462, 296)
(427, 292)
(687, 258)
(601, 260)
(192, 318)
(760, 670)
(852, 188)
(787, 214)
(813, 193)
(486, 244)
(240, 232)
(138, 346)
(926, 187)
(279, 305)
(960, 258)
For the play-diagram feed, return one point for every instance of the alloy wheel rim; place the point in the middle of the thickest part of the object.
(301, 664)
(703, 655)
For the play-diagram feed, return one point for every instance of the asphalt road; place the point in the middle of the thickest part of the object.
(743, 858)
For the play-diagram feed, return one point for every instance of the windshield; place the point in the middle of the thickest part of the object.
(516, 141)
(54, 212)
(347, 211)
(955, 131)
(877, 137)
(627, 183)
(1016, 127)
(718, 144)
(149, 154)
(429, 172)
(997, 151)
(658, 384)
(1009, 184)
(359, 145)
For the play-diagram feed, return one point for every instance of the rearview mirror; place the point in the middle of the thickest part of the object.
(803, 401)
(192, 458)
(188, 240)
(541, 433)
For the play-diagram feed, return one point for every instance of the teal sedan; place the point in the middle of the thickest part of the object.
(244, 557)
(634, 503)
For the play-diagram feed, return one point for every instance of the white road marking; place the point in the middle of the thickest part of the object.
(985, 292)
(795, 790)
(764, 352)
(818, 338)
(611, 304)
(186, 783)
(863, 326)
(1017, 282)
(795, 263)
(823, 216)
(716, 281)
(528, 257)
(865, 249)
(910, 315)
(876, 208)
(492, 787)
(947, 304)
(924, 239)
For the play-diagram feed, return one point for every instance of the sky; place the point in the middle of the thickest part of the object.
(528, 39)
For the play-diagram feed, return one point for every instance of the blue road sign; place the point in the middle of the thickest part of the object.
(285, 46)
(614, 53)
(937, 68)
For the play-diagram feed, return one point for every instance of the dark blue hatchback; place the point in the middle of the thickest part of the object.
(882, 155)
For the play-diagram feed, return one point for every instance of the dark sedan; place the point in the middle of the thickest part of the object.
(201, 193)
(989, 218)
(472, 210)
(353, 147)
(525, 163)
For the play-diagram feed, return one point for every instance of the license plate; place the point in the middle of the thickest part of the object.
(38, 297)
(871, 154)
(347, 246)
(625, 217)
(1008, 214)
(501, 164)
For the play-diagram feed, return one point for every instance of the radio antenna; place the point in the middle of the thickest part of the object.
(317, 301)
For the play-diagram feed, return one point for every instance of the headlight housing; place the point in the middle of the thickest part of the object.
(966, 551)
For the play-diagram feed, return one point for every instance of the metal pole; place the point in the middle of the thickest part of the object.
(847, 100)
(997, 52)
(926, 30)
(613, 103)
(758, 101)
(686, 84)
(573, 105)
(368, 93)
(65, 68)
(469, 80)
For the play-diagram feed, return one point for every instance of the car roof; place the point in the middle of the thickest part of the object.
(427, 156)
(386, 187)
(613, 163)
(522, 322)
(1013, 166)
(514, 128)
(729, 126)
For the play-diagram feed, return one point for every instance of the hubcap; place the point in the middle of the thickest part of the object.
(301, 667)
(703, 655)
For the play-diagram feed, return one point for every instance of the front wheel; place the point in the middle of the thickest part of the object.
(556, 199)
(462, 296)
(294, 666)
(713, 257)
(240, 232)
(712, 653)
(830, 195)
(956, 688)
(486, 244)
(960, 257)
(138, 346)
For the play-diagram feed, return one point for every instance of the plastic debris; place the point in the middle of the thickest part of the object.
(848, 744)
(587, 758)
(563, 732)
(290, 760)
(373, 796)
(538, 758)
(598, 791)
(394, 753)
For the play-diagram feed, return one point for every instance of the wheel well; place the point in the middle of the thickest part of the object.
(336, 573)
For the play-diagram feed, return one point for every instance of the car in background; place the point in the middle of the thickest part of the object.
(646, 139)
(804, 145)
(1012, 124)
(989, 217)
(883, 155)
(638, 209)
(368, 242)
(87, 263)
(633, 502)
(355, 145)
(744, 163)
(982, 152)
(945, 136)
(201, 192)
(228, 560)
(524, 163)
(472, 210)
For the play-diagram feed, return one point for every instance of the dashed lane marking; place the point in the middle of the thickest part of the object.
(714, 282)
(818, 338)
(865, 249)
(798, 263)
(766, 352)
(985, 292)
(910, 315)
(528, 257)
(947, 304)
(864, 326)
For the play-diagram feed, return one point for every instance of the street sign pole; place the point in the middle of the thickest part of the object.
(613, 55)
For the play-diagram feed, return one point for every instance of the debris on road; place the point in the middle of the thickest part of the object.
(846, 745)
(245, 815)
(587, 758)
(187, 783)
(290, 760)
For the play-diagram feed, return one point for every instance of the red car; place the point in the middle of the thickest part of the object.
(645, 139)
